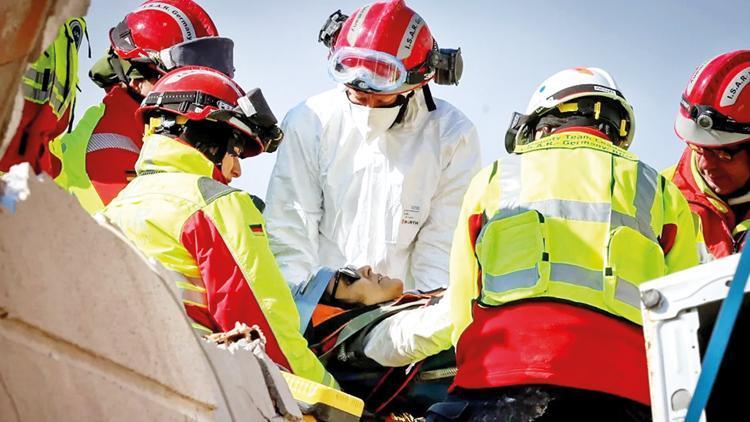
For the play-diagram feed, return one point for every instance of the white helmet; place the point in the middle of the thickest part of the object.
(565, 86)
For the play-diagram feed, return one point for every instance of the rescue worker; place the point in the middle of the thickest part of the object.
(373, 171)
(49, 90)
(549, 250)
(714, 171)
(97, 159)
(180, 211)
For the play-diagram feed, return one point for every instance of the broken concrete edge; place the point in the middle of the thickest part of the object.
(251, 338)
(17, 188)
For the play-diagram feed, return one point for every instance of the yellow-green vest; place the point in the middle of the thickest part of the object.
(589, 237)
(174, 182)
(52, 79)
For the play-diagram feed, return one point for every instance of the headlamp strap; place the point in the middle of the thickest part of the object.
(709, 118)
(114, 62)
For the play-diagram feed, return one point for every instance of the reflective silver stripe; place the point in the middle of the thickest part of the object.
(327, 379)
(627, 292)
(573, 274)
(516, 280)
(565, 273)
(644, 198)
(99, 141)
(34, 94)
(510, 187)
(37, 77)
(510, 191)
(619, 220)
(572, 210)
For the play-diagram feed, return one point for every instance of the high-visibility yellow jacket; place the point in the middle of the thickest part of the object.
(176, 212)
(53, 77)
(49, 90)
(570, 217)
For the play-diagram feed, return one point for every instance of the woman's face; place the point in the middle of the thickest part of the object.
(371, 288)
(230, 165)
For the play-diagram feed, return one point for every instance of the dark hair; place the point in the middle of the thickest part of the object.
(210, 138)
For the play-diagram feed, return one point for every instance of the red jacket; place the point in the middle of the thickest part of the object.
(37, 127)
(113, 147)
(724, 227)
(552, 343)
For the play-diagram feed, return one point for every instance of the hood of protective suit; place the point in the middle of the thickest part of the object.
(373, 122)
(162, 154)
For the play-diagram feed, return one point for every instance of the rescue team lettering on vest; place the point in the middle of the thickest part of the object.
(575, 140)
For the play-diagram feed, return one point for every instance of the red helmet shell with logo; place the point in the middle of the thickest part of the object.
(187, 81)
(190, 79)
(390, 27)
(160, 24)
(722, 83)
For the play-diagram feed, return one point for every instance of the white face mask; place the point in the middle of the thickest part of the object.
(373, 122)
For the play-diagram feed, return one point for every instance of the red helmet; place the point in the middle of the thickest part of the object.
(160, 24)
(204, 94)
(715, 107)
(386, 47)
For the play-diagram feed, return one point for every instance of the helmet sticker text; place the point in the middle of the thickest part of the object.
(410, 35)
(694, 76)
(735, 87)
(356, 26)
(188, 32)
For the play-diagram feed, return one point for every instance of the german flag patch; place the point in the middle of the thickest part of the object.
(257, 229)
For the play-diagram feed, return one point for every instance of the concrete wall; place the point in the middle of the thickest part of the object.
(89, 330)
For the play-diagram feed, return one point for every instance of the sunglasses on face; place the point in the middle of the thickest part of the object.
(348, 275)
(723, 154)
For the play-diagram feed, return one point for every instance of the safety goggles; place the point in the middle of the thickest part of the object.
(367, 70)
(709, 118)
(723, 154)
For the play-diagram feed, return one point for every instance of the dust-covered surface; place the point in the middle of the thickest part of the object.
(93, 328)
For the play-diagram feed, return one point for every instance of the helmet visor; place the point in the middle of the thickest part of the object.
(122, 41)
(367, 70)
(213, 52)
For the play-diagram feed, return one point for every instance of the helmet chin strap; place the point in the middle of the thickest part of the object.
(201, 135)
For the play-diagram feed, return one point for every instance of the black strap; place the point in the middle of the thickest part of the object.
(404, 103)
(428, 98)
(114, 61)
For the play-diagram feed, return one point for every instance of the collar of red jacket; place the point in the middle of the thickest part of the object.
(163, 154)
(687, 175)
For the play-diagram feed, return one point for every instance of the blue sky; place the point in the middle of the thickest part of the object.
(509, 47)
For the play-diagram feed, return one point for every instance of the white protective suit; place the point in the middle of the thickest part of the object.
(350, 186)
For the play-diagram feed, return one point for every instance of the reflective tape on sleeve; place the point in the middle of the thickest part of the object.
(100, 141)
